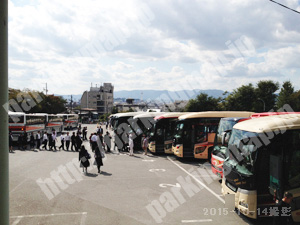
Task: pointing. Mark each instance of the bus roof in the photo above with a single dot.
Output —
(216, 114)
(127, 114)
(256, 115)
(270, 123)
(170, 115)
(148, 114)
(15, 113)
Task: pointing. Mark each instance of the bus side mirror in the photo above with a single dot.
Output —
(225, 137)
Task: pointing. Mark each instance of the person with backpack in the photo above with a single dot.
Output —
(98, 158)
(84, 157)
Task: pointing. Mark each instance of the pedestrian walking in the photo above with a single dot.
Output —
(78, 141)
(84, 157)
(73, 142)
(98, 158)
(62, 141)
(50, 141)
(130, 142)
(94, 141)
(10, 142)
(84, 133)
(32, 142)
(38, 139)
(67, 140)
(53, 145)
(100, 141)
(107, 141)
(145, 144)
(45, 140)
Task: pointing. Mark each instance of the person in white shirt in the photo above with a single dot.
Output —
(53, 141)
(94, 141)
(130, 142)
(62, 141)
(67, 140)
(38, 140)
(45, 140)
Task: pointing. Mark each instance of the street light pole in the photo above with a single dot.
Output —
(263, 103)
(4, 182)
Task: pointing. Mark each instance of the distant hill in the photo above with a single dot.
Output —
(166, 95)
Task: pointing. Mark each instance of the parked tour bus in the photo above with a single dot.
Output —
(263, 163)
(70, 121)
(225, 126)
(195, 132)
(121, 125)
(162, 132)
(142, 124)
(21, 123)
(219, 150)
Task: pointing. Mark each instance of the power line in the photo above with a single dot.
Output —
(285, 6)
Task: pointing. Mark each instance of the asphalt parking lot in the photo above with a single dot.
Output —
(49, 188)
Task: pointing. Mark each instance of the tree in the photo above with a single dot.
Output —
(286, 95)
(265, 95)
(37, 102)
(241, 99)
(203, 102)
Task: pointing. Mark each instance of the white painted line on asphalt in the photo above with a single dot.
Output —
(52, 214)
(198, 181)
(83, 218)
(196, 221)
(17, 220)
(18, 186)
(148, 160)
(170, 185)
(157, 170)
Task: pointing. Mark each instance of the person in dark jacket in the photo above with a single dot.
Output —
(98, 158)
(32, 142)
(10, 141)
(84, 157)
(20, 141)
(107, 141)
(73, 142)
(78, 142)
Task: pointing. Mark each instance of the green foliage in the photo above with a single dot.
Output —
(37, 102)
(104, 117)
(203, 102)
(241, 99)
(286, 95)
(265, 94)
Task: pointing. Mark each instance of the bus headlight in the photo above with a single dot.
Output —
(243, 204)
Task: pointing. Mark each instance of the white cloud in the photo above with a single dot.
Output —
(155, 45)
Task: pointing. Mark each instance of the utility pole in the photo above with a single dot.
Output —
(71, 103)
(4, 182)
(46, 89)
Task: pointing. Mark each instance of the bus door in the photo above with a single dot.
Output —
(159, 140)
(204, 139)
(188, 140)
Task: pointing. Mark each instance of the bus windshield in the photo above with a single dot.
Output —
(179, 130)
(242, 151)
(16, 118)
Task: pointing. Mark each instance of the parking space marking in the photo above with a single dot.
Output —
(17, 186)
(196, 221)
(52, 214)
(157, 170)
(170, 185)
(198, 181)
(148, 160)
(17, 220)
(83, 218)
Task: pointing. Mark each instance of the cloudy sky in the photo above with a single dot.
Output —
(163, 45)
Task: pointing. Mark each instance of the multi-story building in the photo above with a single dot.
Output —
(99, 98)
